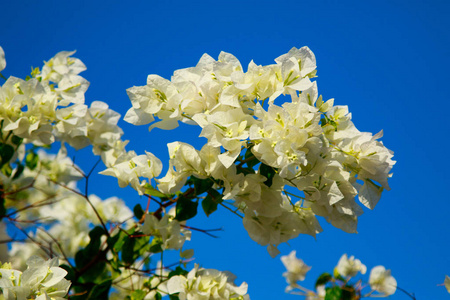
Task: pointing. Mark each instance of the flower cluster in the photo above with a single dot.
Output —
(205, 284)
(262, 154)
(42, 280)
(167, 230)
(296, 269)
(380, 280)
(350, 266)
(129, 167)
(49, 106)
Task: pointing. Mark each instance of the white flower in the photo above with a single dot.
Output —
(296, 268)
(350, 266)
(2, 59)
(62, 65)
(41, 280)
(131, 167)
(27, 109)
(102, 129)
(168, 229)
(206, 284)
(71, 88)
(382, 281)
(319, 295)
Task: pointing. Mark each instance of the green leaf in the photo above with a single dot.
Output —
(209, 204)
(2, 206)
(70, 272)
(31, 160)
(186, 209)
(19, 171)
(138, 295)
(6, 170)
(128, 250)
(6, 153)
(149, 190)
(116, 242)
(323, 279)
(115, 266)
(348, 293)
(333, 293)
(156, 245)
(94, 245)
(200, 185)
(97, 272)
(158, 296)
(16, 140)
(138, 211)
(174, 297)
(134, 247)
(251, 160)
(142, 244)
(84, 256)
(178, 271)
(268, 172)
(100, 291)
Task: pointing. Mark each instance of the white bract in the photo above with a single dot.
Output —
(42, 280)
(167, 229)
(382, 281)
(296, 269)
(2, 59)
(350, 266)
(205, 284)
(130, 167)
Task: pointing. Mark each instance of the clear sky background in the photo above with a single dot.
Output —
(387, 60)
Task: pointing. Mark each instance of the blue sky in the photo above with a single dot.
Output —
(387, 60)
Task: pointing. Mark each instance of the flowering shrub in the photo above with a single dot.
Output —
(276, 154)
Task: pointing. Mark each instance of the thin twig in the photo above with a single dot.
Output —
(205, 231)
(234, 212)
(59, 247)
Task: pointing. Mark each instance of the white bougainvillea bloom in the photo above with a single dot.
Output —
(102, 129)
(350, 266)
(296, 268)
(381, 280)
(62, 65)
(39, 109)
(27, 109)
(42, 280)
(2, 59)
(131, 167)
(205, 284)
(166, 228)
(71, 125)
(71, 89)
(186, 159)
(128, 280)
(447, 283)
(318, 295)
